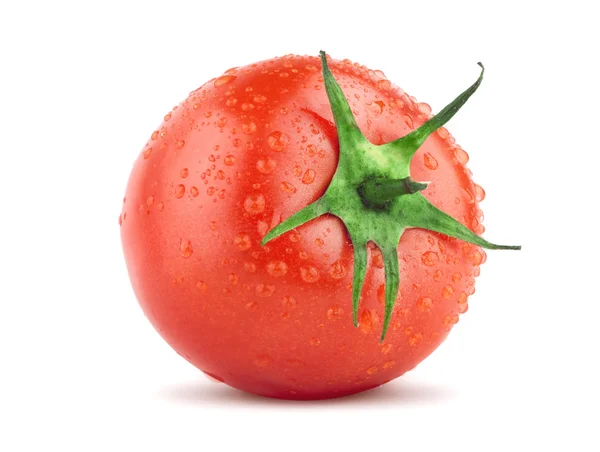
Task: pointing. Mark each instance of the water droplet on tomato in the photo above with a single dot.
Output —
(376, 107)
(315, 341)
(179, 191)
(389, 364)
(443, 133)
(424, 304)
(408, 120)
(309, 177)
(264, 290)
(266, 166)
(287, 187)
(288, 302)
(437, 275)
(154, 135)
(242, 241)
(462, 308)
(277, 268)
(147, 153)
(233, 279)
(385, 349)
(384, 84)
(231, 102)
(184, 173)
(221, 122)
(311, 150)
(248, 106)
(415, 339)
(278, 141)
(260, 99)
(319, 242)
(476, 258)
(224, 80)
(429, 258)
(150, 200)
(335, 313)
(368, 321)
(424, 108)
(309, 274)
(461, 156)
(263, 360)
(185, 247)
(479, 193)
(430, 161)
(194, 191)
(337, 270)
(447, 291)
(229, 160)
(456, 277)
(180, 144)
(254, 204)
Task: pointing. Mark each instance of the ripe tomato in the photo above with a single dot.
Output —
(246, 151)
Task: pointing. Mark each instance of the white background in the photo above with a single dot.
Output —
(82, 86)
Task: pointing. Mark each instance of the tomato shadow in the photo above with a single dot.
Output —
(390, 395)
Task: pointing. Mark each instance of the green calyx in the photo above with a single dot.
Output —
(374, 196)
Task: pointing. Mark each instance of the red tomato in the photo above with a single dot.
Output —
(240, 154)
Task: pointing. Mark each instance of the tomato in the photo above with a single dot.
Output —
(246, 151)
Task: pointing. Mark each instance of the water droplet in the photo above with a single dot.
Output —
(254, 204)
(386, 348)
(251, 306)
(277, 268)
(260, 99)
(337, 270)
(248, 106)
(476, 258)
(447, 291)
(437, 275)
(451, 320)
(233, 279)
(154, 135)
(185, 247)
(462, 298)
(179, 191)
(309, 177)
(207, 114)
(180, 144)
(201, 286)
(160, 206)
(461, 156)
(335, 313)
(147, 153)
(430, 161)
(462, 308)
(266, 166)
(263, 360)
(389, 364)
(264, 290)
(231, 102)
(288, 302)
(376, 107)
(311, 150)
(384, 84)
(314, 342)
(456, 277)
(250, 267)
(408, 120)
(262, 228)
(229, 160)
(479, 193)
(221, 122)
(224, 80)
(429, 258)
(213, 225)
(194, 191)
(319, 242)
(287, 187)
(443, 133)
(221, 175)
(424, 304)
(415, 339)
(150, 200)
(184, 173)
(278, 141)
(310, 67)
(424, 108)
(242, 241)
(368, 321)
(309, 274)
(377, 258)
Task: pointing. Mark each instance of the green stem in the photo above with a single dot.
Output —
(379, 192)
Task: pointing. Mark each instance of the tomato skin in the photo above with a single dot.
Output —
(240, 154)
